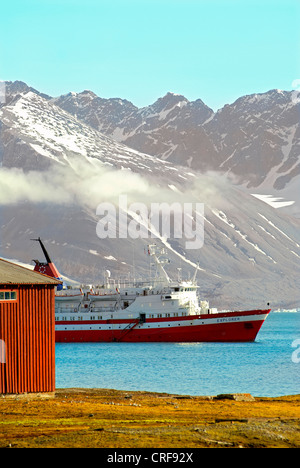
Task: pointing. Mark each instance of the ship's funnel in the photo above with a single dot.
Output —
(47, 268)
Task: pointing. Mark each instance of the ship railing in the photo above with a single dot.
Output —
(99, 310)
(67, 310)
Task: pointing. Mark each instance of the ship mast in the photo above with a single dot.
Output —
(48, 260)
(160, 260)
(195, 274)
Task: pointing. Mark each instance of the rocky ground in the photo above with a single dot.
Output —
(119, 419)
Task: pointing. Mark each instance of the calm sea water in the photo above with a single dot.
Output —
(262, 368)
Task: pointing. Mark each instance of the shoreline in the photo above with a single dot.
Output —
(107, 418)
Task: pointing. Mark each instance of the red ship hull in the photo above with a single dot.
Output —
(221, 327)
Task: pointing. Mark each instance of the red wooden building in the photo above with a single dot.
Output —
(27, 333)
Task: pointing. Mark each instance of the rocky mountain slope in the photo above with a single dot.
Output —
(55, 172)
(256, 139)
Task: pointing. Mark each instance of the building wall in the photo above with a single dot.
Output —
(27, 334)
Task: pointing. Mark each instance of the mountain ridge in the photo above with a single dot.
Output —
(256, 139)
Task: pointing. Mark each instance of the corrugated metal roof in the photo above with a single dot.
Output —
(10, 273)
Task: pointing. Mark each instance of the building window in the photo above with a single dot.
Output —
(8, 295)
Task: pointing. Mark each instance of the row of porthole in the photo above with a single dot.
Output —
(109, 328)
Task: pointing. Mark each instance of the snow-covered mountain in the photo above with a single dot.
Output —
(55, 171)
(256, 139)
(153, 129)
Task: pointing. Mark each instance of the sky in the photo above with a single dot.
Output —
(215, 50)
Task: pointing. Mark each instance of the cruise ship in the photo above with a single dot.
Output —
(158, 310)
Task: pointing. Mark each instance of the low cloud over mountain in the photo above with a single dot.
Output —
(57, 168)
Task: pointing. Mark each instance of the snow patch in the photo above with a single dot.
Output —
(222, 216)
(279, 230)
(110, 257)
(93, 252)
(275, 202)
(172, 187)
